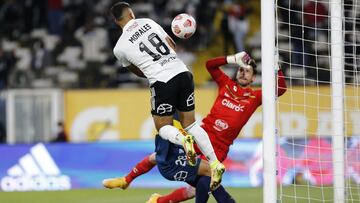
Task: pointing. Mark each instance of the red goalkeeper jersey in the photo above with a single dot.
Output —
(232, 108)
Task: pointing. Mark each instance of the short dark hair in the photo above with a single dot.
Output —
(117, 10)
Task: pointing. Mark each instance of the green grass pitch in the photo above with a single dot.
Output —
(132, 195)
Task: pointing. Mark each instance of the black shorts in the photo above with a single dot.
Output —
(176, 94)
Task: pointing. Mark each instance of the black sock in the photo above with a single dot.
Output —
(221, 195)
(203, 189)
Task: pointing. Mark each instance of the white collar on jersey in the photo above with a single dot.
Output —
(128, 24)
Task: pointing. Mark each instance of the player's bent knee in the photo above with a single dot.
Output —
(204, 169)
(152, 158)
(187, 118)
(190, 191)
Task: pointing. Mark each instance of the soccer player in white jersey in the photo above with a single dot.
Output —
(148, 51)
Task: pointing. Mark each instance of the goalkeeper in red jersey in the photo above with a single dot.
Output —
(235, 103)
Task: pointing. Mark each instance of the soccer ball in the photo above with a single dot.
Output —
(183, 26)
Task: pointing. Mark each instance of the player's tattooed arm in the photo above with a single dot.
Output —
(136, 71)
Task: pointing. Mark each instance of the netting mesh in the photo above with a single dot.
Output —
(304, 152)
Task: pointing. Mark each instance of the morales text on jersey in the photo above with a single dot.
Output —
(139, 32)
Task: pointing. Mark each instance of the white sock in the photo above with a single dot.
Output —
(169, 132)
(202, 140)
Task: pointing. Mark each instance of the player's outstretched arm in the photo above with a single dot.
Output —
(213, 67)
(142, 167)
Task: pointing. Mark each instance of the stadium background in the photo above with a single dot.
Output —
(58, 77)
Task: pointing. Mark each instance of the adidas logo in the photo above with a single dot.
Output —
(35, 171)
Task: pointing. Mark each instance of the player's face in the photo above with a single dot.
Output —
(245, 76)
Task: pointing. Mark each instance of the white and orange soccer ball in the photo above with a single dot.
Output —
(183, 26)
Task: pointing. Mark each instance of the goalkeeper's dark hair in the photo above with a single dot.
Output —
(117, 10)
(252, 63)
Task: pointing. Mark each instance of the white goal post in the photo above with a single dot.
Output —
(268, 99)
(318, 44)
(337, 87)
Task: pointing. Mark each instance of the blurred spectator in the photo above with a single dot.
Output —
(186, 56)
(61, 135)
(55, 16)
(20, 78)
(238, 22)
(299, 50)
(2, 133)
(144, 9)
(315, 28)
(205, 14)
(315, 14)
(352, 39)
(72, 42)
(40, 57)
(93, 40)
(159, 7)
(7, 63)
(315, 18)
(11, 19)
(34, 12)
(226, 34)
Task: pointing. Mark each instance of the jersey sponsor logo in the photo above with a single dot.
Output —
(230, 105)
(165, 61)
(190, 100)
(181, 176)
(164, 108)
(220, 125)
(35, 171)
(133, 26)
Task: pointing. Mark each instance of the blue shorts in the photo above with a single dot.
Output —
(172, 163)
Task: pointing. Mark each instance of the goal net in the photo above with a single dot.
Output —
(318, 118)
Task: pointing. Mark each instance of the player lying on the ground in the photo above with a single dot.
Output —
(234, 105)
(171, 162)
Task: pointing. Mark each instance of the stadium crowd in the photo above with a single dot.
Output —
(68, 44)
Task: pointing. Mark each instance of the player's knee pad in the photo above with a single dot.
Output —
(167, 130)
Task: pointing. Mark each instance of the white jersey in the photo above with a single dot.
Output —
(143, 44)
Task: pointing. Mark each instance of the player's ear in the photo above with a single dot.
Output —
(132, 14)
(253, 78)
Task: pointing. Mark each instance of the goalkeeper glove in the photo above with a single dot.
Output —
(243, 59)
